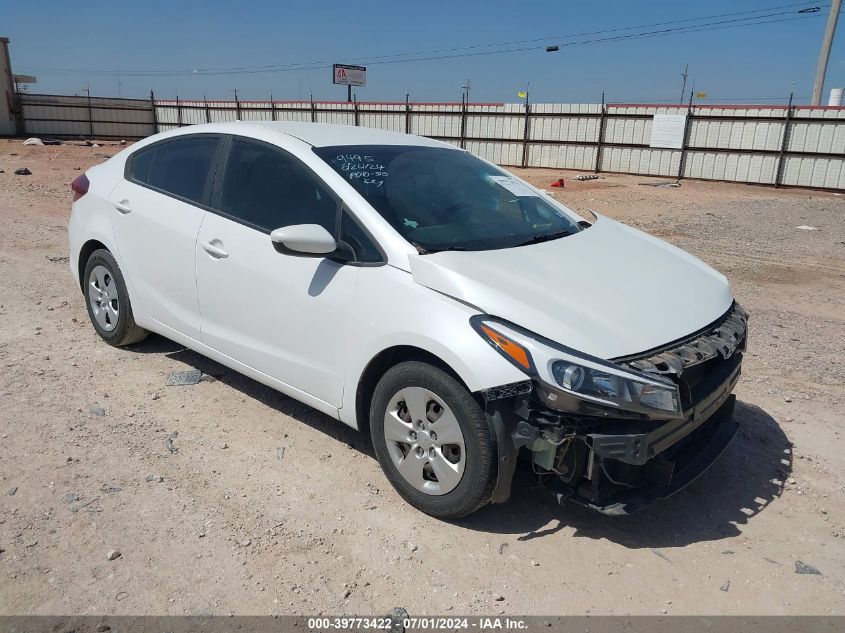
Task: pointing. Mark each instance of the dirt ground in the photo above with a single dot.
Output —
(270, 507)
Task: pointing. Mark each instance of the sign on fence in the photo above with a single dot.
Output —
(349, 75)
(667, 130)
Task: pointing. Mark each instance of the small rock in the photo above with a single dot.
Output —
(792, 480)
(663, 611)
(727, 552)
(224, 445)
(12, 491)
(23, 171)
(122, 141)
(70, 497)
(345, 594)
(498, 597)
(804, 568)
(33, 141)
(412, 547)
(246, 542)
(102, 628)
(787, 399)
(397, 616)
(30, 544)
(97, 410)
(725, 586)
(156, 478)
(114, 554)
(534, 563)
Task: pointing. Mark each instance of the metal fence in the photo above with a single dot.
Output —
(89, 117)
(777, 145)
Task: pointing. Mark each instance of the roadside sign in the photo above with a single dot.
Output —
(349, 75)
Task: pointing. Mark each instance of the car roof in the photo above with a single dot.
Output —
(319, 134)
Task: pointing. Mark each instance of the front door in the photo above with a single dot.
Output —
(280, 314)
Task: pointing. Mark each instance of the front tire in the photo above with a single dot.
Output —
(433, 440)
(108, 301)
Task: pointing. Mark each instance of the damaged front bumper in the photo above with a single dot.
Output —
(664, 475)
(619, 465)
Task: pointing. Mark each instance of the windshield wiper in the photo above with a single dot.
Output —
(446, 248)
(545, 238)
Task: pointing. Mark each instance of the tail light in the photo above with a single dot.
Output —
(79, 186)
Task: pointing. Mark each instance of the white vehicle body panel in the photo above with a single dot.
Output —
(157, 239)
(310, 327)
(609, 291)
(280, 314)
(395, 311)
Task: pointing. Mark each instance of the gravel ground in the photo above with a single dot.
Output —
(119, 495)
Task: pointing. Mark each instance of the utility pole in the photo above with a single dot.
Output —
(466, 88)
(685, 74)
(824, 54)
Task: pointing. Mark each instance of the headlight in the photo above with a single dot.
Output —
(580, 375)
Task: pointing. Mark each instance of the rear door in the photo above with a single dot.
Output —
(283, 315)
(158, 209)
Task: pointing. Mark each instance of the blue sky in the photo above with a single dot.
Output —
(736, 63)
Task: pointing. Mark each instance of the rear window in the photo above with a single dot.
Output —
(182, 167)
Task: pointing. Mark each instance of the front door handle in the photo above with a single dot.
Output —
(214, 249)
(123, 206)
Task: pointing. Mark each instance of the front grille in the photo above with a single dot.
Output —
(717, 341)
(702, 362)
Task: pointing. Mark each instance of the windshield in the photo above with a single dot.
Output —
(443, 199)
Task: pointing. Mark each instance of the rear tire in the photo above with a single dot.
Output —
(433, 440)
(108, 301)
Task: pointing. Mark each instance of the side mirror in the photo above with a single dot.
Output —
(305, 240)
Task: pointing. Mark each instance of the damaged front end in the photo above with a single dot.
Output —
(616, 435)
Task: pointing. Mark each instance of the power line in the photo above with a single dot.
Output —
(434, 55)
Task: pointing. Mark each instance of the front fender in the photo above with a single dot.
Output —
(402, 313)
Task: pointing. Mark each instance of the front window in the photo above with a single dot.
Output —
(443, 199)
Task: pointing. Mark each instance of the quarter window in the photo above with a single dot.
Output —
(139, 165)
(181, 167)
(268, 189)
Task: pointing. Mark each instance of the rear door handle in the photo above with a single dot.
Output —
(215, 250)
(123, 206)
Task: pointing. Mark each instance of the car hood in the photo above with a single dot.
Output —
(609, 290)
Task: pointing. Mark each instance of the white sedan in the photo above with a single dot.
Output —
(408, 288)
